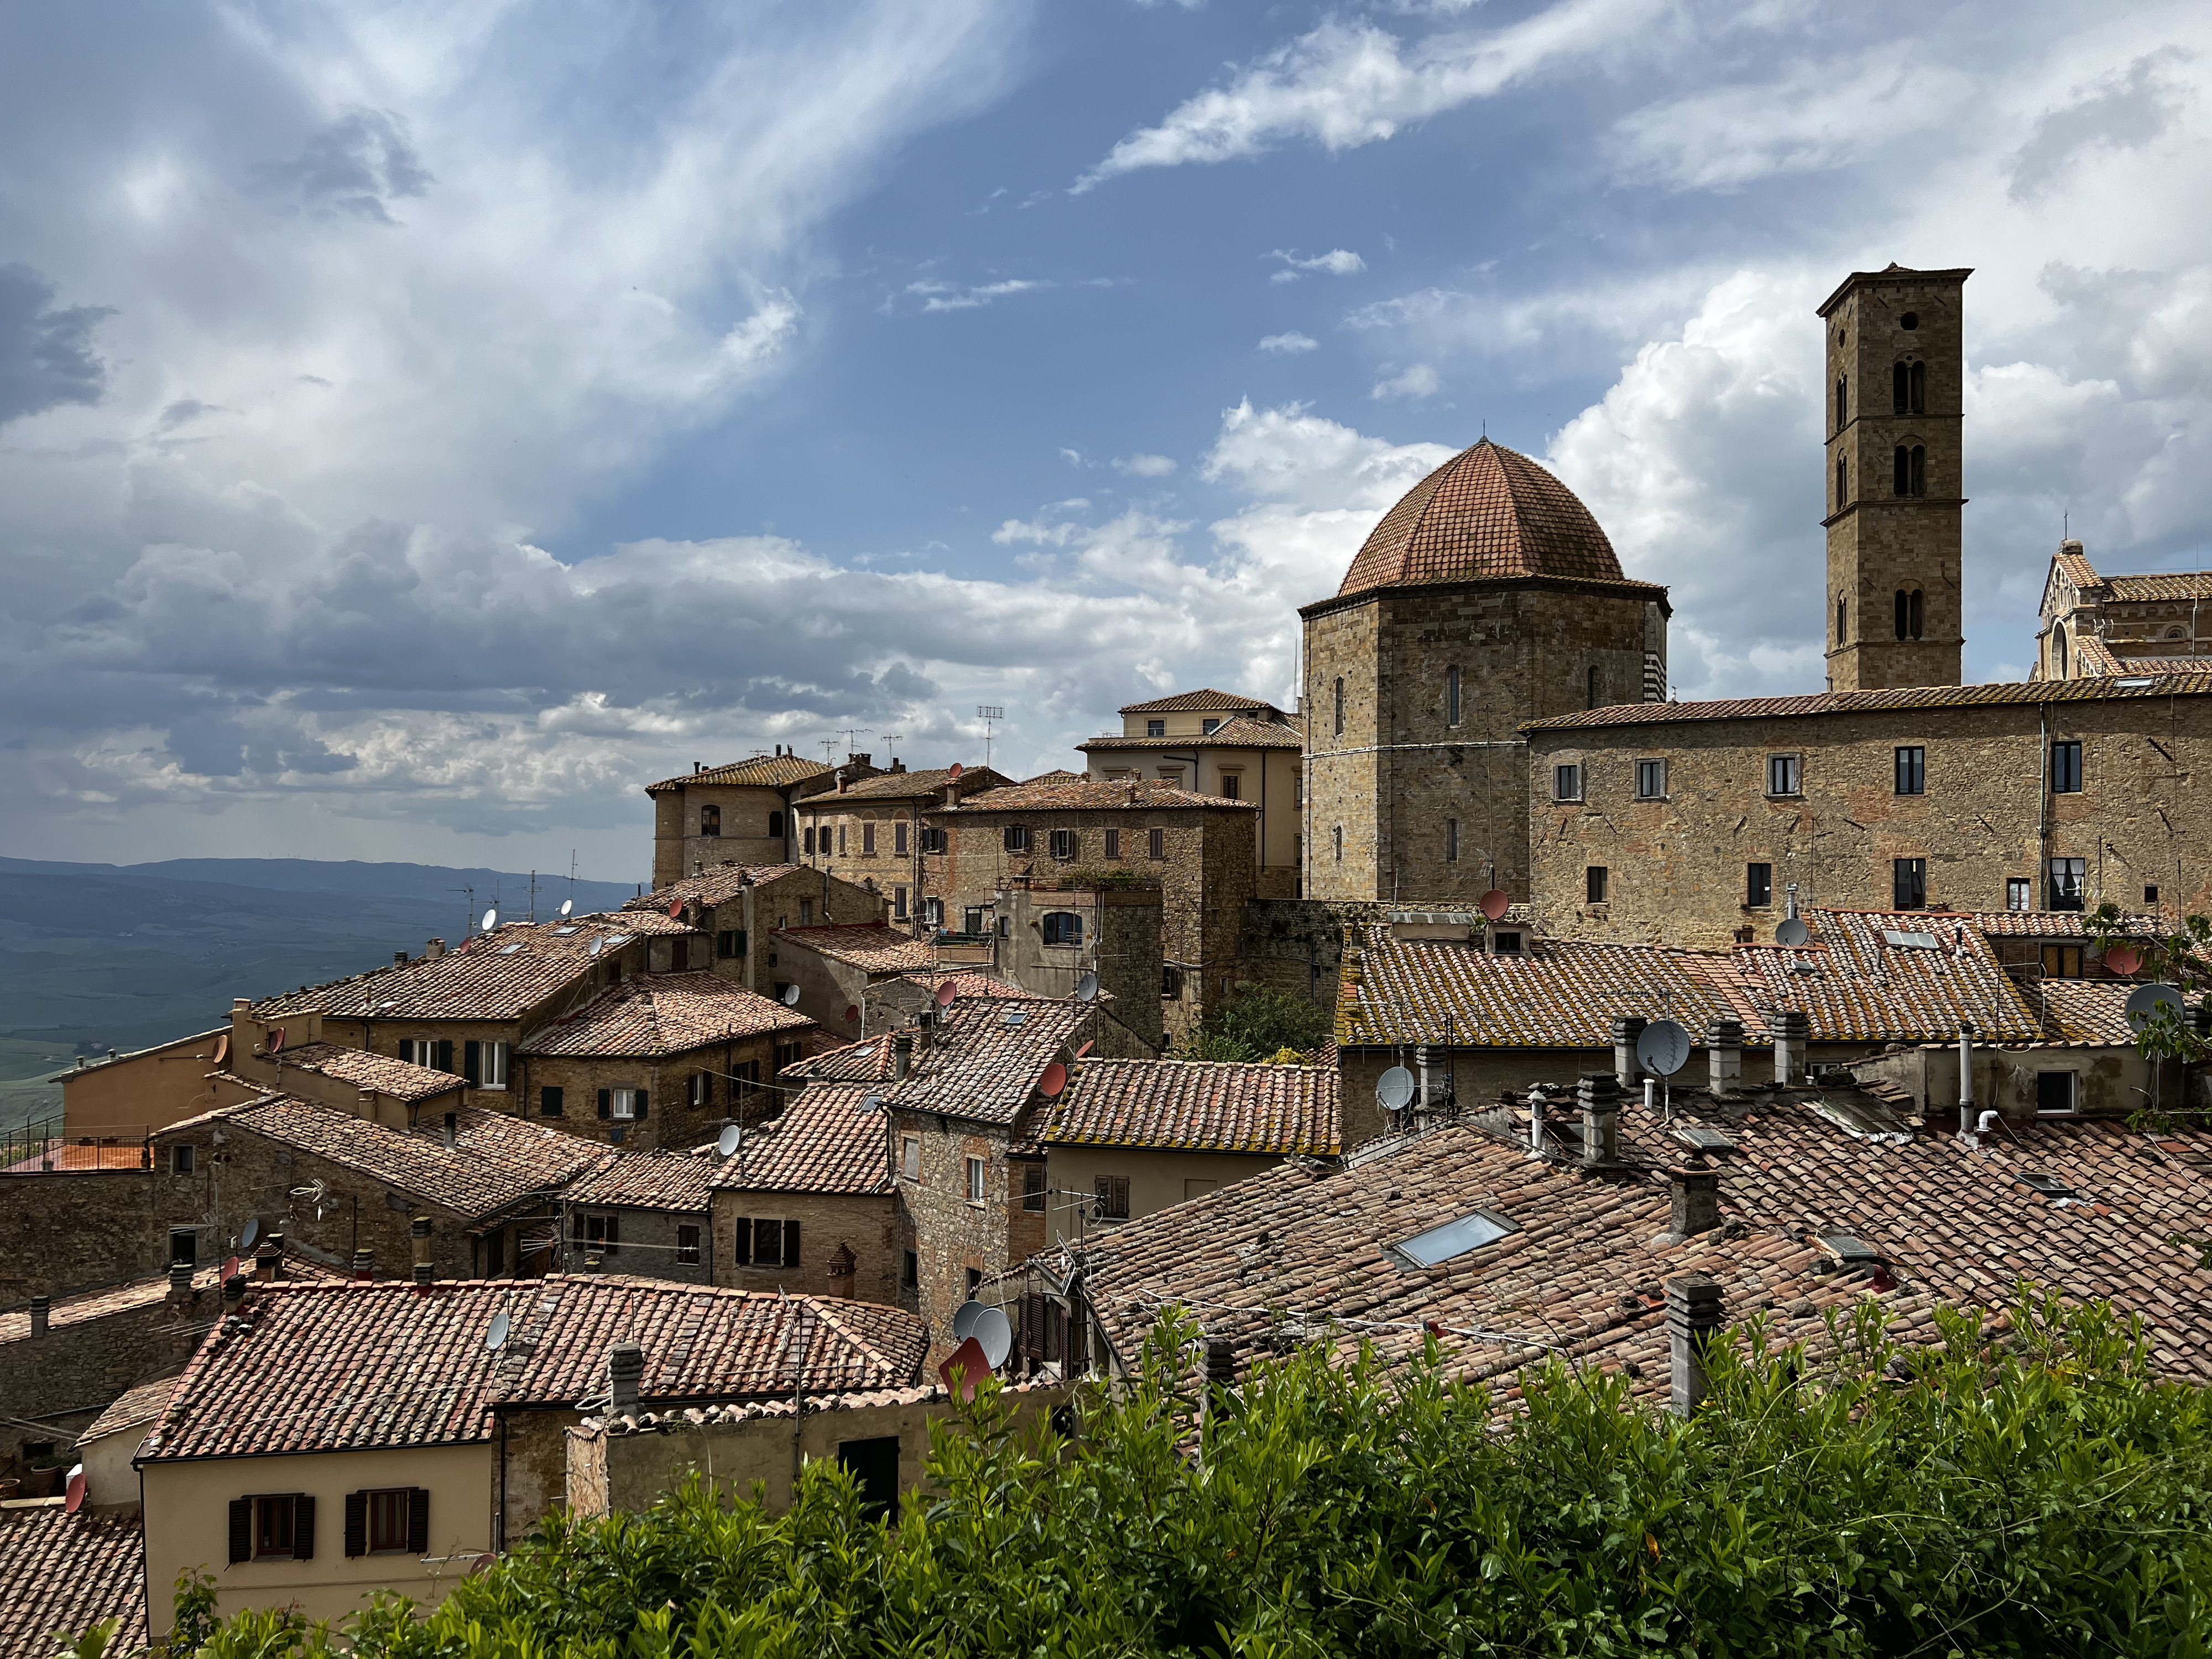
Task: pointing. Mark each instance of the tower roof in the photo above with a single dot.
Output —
(1488, 511)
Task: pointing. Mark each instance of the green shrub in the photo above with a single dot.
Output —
(1258, 1022)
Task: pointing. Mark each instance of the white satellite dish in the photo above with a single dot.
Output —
(567, 906)
(598, 944)
(964, 1319)
(248, 1233)
(2145, 1000)
(495, 1338)
(996, 1333)
(1395, 1089)
(790, 995)
(490, 920)
(729, 1140)
(1792, 933)
(1664, 1048)
(1087, 990)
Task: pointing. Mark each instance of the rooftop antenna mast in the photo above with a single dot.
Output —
(533, 897)
(469, 905)
(829, 751)
(890, 745)
(852, 738)
(987, 713)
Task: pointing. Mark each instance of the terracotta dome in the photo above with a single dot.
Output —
(1488, 511)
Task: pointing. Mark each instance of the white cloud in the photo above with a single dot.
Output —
(1419, 381)
(1290, 344)
(944, 296)
(1145, 466)
(1337, 262)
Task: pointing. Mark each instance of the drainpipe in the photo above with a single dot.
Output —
(1965, 1076)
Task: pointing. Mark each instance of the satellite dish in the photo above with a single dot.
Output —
(1495, 903)
(1395, 1088)
(222, 1048)
(871, 1102)
(248, 1233)
(945, 992)
(727, 1142)
(1086, 989)
(495, 1338)
(967, 1363)
(1052, 1085)
(852, 1012)
(791, 994)
(1792, 933)
(964, 1319)
(995, 1333)
(1085, 1050)
(2145, 1000)
(567, 907)
(2121, 959)
(75, 1491)
(957, 770)
(675, 909)
(275, 1038)
(229, 1270)
(598, 944)
(1664, 1048)
(490, 920)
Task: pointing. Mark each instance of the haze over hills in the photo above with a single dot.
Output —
(94, 957)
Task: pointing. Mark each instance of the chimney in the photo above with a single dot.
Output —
(842, 1271)
(1599, 1094)
(364, 1265)
(1220, 1363)
(1694, 1315)
(901, 1055)
(451, 1134)
(1536, 1103)
(399, 958)
(1724, 1055)
(1792, 1029)
(41, 1306)
(233, 1293)
(1693, 1203)
(625, 1370)
(1627, 1028)
(1965, 1076)
(434, 949)
(419, 1231)
(180, 1284)
(265, 1262)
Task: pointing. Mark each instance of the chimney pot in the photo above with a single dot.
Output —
(901, 1055)
(1792, 1029)
(1724, 1057)
(453, 1130)
(1627, 1028)
(240, 1004)
(1536, 1104)
(625, 1372)
(234, 1292)
(1694, 1315)
(424, 1274)
(433, 950)
(364, 1264)
(41, 1309)
(180, 1282)
(1599, 1096)
(1694, 1202)
(399, 958)
(265, 1262)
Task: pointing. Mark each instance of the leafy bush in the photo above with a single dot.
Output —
(2039, 1495)
(1258, 1022)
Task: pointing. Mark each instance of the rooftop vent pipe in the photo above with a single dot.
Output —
(41, 1309)
(1965, 1076)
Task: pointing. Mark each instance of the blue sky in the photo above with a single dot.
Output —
(422, 425)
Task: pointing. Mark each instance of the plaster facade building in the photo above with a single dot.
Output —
(2095, 624)
(744, 909)
(740, 813)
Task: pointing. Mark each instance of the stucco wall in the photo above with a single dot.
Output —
(1158, 1180)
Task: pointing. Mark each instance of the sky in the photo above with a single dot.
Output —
(422, 426)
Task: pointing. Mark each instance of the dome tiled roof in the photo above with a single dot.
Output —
(1487, 512)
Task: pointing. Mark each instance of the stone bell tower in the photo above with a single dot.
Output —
(1895, 479)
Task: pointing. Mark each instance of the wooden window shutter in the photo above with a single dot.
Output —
(640, 1105)
(791, 1244)
(745, 1245)
(303, 1528)
(445, 1053)
(418, 1520)
(241, 1529)
(472, 1061)
(606, 1102)
(614, 1232)
(356, 1523)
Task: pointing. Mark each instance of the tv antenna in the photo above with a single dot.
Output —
(468, 903)
(890, 745)
(533, 896)
(988, 713)
(852, 735)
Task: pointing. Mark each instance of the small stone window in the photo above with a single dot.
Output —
(1156, 843)
(1336, 832)
(1567, 782)
(182, 1159)
(1909, 389)
(1840, 614)
(710, 820)
(1910, 471)
(841, 840)
(1340, 705)
(898, 904)
(868, 837)
(2066, 767)
(1913, 769)
(1910, 321)
(1842, 499)
(1593, 884)
(2019, 893)
(976, 1181)
(1033, 1191)
(2068, 880)
(1785, 774)
(1063, 927)
(898, 838)
(687, 1246)
(1064, 843)
(1759, 885)
(1017, 838)
(1651, 779)
(1451, 840)
(1596, 687)
(1911, 613)
(1113, 843)
(1842, 401)
(776, 826)
(1451, 696)
(1908, 884)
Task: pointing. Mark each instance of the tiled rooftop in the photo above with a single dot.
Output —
(874, 947)
(1859, 702)
(1206, 700)
(496, 1160)
(1230, 734)
(351, 1366)
(2184, 585)
(132, 1408)
(757, 771)
(87, 1306)
(1857, 986)
(648, 1180)
(658, 1014)
(977, 1066)
(2049, 923)
(1198, 1106)
(823, 1143)
(1098, 794)
(906, 786)
(383, 1074)
(1488, 511)
(717, 885)
(2091, 1012)
(501, 975)
(64, 1572)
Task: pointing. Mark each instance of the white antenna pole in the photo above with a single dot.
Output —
(986, 715)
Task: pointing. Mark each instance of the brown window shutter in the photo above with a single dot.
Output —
(241, 1529)
(303, 1528)
(606, 1102)
(418, 1520)
(356, 1523)
(791, 1244)
(445, 1053)
(640, 1105)
(744, 1247)
(472, 1061)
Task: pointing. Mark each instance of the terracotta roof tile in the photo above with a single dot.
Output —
(823, 1143)
(1857, 702)
(1858, 984)
(656, 1014)
(2076, 569)
(1201, 700)
(873, 946)
(383, 1074)
(757, 771)
(902, 786)
(983, 1062)
(716, 885)
(60, 1571)
(648, 1180)
(1198, 1106)
(1230, 734)
(127, 1411)
(87, 1306)
(2048, 924)
(2163, 585)
(1096, 794)
(1488, 511)
(501, 975)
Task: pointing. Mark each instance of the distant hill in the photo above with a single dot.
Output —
(94, 957)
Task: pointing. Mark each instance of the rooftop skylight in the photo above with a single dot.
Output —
(1454, 1239)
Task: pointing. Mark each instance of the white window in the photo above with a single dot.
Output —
(974, 1181)
(495, 1066)
(932, 912)
(1567, 782)
(1785, 772)
(1063, 843)
(625, 1103)
(1651, 779)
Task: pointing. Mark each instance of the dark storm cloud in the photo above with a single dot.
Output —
(45, 353)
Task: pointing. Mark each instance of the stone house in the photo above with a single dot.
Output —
(740, 813)
(642, 1213)
(744, 907)
(2095, 626)
(1074, 837)
(1690, 822)
(806, 1204)
(401, 1432)
(1219, 744)
(839, 971)
(660, 1060)
(1130, 1137)
(872, 831)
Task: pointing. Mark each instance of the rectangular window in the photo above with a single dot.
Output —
(1451, 840)
(1156, 728)
(974, 1181)
(974, 922)
(841, 840)
(702, 1088)
(181, 1159)
(1784, 774)
(1017, 838)
(1063, 927)
(1170, 981)
(1209, 725)
(2019, 893)
(1594, 883)
(1566, 783)
(548, 1102)
(789, 1053)
(2150, 892)
(602, 1232)
(744, 1080)
(385, 1517)
(1650, 780)
(932, 912)
(1232, 786)
(932, 839)
(1063, 843)
(710, 820)
(284, 1526)
(493, 1058)
(1336, 832)
(1451, 697)
(910, 1159)
(2054, 1092)
(184, 1246)
(898, 903)
(909, 1271)
(1912, 770)
(625, 1103)
(2066, 768)
(806, 912)
(1908, 884)
(1113, 843)
(1759, 885)
(1113, 1196)
(806, 840)
(868, 838)
(1156, 845)
(1033, 1187)
(2062, 961)
(2069, 877)
(898, 838)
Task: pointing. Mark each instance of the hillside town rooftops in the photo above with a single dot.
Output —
(824, 1142)
(716, 885)
(756, 771)
(982, 1061)
(85, 1307)
(383, 1074)
(1198, 1106)
(64, 1573)
(132, 1408)
(908, 785)
(501, 975)
(2026, 693)
(652, 1015)
(1238, 733)
(1895, 975)
(1098, 794)
(873, 947)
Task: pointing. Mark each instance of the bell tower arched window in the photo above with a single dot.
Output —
(1911, 613)
(1596, 689)
(1840, 502)
(1920, 388)
(1843, 400)
(1910, 470)
(1839, 619)
(1340, 705)
(2058, 651)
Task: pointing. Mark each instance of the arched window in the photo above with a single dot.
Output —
(1920, 388)
(1340, 705)
(1900, 390)
(1840, 502)
(1901, 472)
(1839, 619)
(1596, 689)
(1451, 696)
(2058, 652)
(1911, 613)
(1843, 400)
(1917, 471)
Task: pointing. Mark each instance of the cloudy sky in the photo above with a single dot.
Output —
(421, 425)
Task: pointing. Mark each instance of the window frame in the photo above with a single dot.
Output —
(687, 1244)
(2019, 893)
(380, 1505)
(1016, 838)
(262, 1546)
(1156, 728)
(710, 821)
(2068, 766)
(1908, 884)
(1156, 843)
(1785, 775)
(1110, 1194)
(910, 1159)
(1033, 1187)
(1061, 928)
(1114, 844)
(184, 1159)
(1339, 731)
(1452, 698)
(2073, 1105)
(977, 1181)
(1567, 780)
(1911, 775)
(1758, 885)
(1597, 883)
(621, 1105)
(1646, 772)
(1451, 840)
(1064, 844)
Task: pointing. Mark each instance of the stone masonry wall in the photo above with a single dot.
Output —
(671, 1123)
(951, 1236)
(863, 1222)
(70, 1230)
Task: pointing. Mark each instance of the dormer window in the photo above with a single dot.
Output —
(1156, 728)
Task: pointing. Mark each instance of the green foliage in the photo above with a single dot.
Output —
(1258, 1022)
(197, 1622)
(1116, 878)
(2182, 960)
(2043, 1494)
(92, 1644)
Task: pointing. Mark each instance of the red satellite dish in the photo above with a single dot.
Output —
(76, 1490)
(229, 1270)
(1084, 1050)
(1496, 902)
(676, 909)
(1054, 1080)
(852, 1013)
(2123, 959)
(275, 1038)
(222, 1048)
(964, 1368)
(958, 769)
(945, 992)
